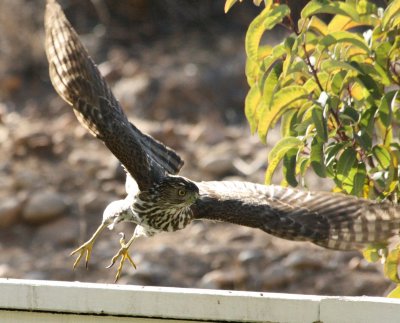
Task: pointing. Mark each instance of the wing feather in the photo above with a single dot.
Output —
(78, 81)
(330, 220)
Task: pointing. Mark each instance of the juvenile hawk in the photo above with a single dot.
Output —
(159, 200)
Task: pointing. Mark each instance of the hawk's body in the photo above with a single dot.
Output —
(329, 220)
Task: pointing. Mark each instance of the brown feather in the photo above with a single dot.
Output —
(334, 221)
(78, 81)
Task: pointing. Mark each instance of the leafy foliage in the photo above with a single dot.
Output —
(333, 85)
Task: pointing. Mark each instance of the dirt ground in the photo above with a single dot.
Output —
(179, 73)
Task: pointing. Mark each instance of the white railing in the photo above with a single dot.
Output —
(53, 301)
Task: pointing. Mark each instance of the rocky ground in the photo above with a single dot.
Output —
(186, 89)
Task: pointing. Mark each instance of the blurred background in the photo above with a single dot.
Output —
(177, 68)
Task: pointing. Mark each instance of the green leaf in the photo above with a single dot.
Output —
(303, 163)
(374, 252)
(317, 157)
(331, 7)
(276, 154)
(330, 65)
(266, 20)
(281, 102)
(395, 293)
(349, 116)
(344, 37)
(271, 83)
(229, 4)
(346, 162)
(251, 104)
(320, 123)
(252, 70)
(359, 178)
(382, 155)
(386, 107)
(391, 265)
(371, 255)
(289, 166)
(287, 123)
(392, 9)
(338, 81)
(318, 26)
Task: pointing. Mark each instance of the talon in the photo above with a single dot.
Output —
(123, 253)
(87, 248)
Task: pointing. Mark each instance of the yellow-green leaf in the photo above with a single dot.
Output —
(252, 101)
(391, 264)
(382, 155)
(266, 20)
(392, 9)
(258, 2)
(281, 101)
(317, 157)
(320, 123)
(346, 162)
(344, 37)
(330, 65)
(374, 252)
(318, 25)
(229, 4)
(331, 7)
(395, 293)
(276, 154)
(287, 122)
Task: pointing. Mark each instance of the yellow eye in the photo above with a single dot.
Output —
(181, 192)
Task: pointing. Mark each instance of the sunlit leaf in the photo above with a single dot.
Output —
(386, 107)
(270, 84)
(391, 265)
(320, 123)
(258, 2)
(317, 157)
(287, 122)
(331, 7)
(229, 4)
(382, 155)
(395, 293)
(252, 101)
(359, 176)
(281, 102)
(392, 9)
(342, 23)
(346, 161)
(318, 26)
(371, 255)
(330, 65)
(289, 167)
(276, 154)
(266, 20)
(344, 37)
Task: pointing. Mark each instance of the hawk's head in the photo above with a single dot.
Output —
(174, 190)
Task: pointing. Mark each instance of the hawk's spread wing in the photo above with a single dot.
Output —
(78, 81)
(329, 220)
(334, 221)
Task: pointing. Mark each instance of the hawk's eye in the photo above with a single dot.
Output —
(181, 192)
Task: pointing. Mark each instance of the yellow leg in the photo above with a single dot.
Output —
(87, 247)
(123, 253)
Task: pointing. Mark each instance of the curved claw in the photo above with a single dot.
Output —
(123, 253)
(87, 247)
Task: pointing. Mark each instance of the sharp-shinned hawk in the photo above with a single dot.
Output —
(163, 201)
